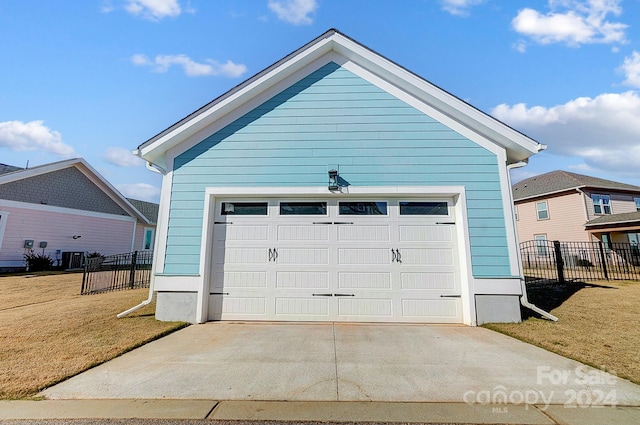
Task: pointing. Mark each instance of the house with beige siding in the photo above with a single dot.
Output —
(573, 207)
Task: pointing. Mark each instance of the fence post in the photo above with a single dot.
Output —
(603, 260)
(559, 261)
(84, 277)
(132, 272)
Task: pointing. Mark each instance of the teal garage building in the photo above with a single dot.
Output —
(336, 185)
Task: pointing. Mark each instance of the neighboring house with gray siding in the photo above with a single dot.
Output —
(65, 208)
(573, 207)
(336, 185)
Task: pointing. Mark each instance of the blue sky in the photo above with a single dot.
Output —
(96, 78)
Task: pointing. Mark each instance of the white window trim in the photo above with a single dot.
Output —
(541, 238)
(144, 238)
(600, 204)
(539, 211)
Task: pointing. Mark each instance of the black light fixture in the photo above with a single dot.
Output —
(76, 236)
(333, 180)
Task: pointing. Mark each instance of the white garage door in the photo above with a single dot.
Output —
(388, 260)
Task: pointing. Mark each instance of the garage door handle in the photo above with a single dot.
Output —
(393, 256)
(344, 295)
(322, 222)
(270, 254)
(343, 222)
(323, 295)
(445, 222)
(450, 296)
(398, 256)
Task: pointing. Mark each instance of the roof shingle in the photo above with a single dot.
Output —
(558, 181)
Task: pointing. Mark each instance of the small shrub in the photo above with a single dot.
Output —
(94, 260)
(37, 262)
(584, 263)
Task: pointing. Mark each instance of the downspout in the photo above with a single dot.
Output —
(524, 300)
(152, 293)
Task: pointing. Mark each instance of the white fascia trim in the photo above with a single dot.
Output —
(88, 171)
(421, 106)
(546, 194)
(38, 170)
(227, 104)
(62, 210)
(223, 119)
(443, 101)
(456, 192)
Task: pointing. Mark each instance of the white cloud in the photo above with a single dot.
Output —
(210, 67)
(33, 136)
(154, 10)
(295, 12)
(603, 131)
(107, 6)
(141, 191)
(459, 7)
(122, 157)
(572, 22)
(631, 69)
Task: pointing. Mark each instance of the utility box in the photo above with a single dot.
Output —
(72, 260)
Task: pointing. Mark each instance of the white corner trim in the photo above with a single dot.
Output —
(509, 217)
(162, 227)
(4, 216)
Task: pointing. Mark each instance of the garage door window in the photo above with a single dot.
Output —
(423, 208)
(363, 208)
(244, 208)
(303, 208)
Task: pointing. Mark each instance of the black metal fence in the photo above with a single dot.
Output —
(561, 261)
(116, 272)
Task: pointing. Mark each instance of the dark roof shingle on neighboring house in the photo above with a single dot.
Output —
(148, 209)
(609, 219)
(4, 169)
(559, 181)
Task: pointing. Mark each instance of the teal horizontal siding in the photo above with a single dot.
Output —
(333, 117)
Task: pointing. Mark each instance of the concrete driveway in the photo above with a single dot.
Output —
(346, 362)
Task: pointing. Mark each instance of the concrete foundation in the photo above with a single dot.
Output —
(498, 308)
(176, 306)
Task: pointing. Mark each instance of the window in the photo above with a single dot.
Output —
(362, 208)
(542, 210)
(423, 208)
(303, 208)
(147, 243)
(244, 208)
(601, 204)
(637, 201)
(541, 244)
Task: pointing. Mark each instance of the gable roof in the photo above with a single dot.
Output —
(148, 209)
(561, 181)
(4, 169)
(87, 170)
(336, 47)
